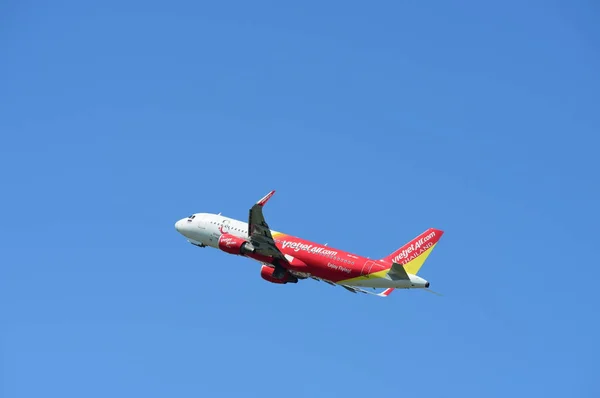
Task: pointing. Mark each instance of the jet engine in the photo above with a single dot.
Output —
(266, 273)
(234, 245)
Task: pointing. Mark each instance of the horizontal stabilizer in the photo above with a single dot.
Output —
(398, 272)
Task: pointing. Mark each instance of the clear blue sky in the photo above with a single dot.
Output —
(373, 122)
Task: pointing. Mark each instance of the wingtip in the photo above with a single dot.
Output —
(265, 198)
(386, 292)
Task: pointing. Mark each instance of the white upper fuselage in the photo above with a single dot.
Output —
(205, 228)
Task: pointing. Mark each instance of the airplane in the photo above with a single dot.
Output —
(287, 259)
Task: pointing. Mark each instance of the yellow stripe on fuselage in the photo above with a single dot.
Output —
(378, 274)
(412, 267)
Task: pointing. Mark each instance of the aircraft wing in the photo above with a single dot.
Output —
(355, 289)
(259, 232)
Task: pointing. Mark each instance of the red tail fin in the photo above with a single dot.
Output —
(413, 254)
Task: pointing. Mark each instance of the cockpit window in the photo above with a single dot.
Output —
(190, 218)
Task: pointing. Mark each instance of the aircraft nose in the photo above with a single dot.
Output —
(178, 226)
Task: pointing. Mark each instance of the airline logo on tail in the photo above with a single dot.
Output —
(413, 254)
(416, 247)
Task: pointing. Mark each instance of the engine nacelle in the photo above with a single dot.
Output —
(267, 274)
(234, 245)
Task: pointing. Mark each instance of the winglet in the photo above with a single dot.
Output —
(386, 292)
(266, 198)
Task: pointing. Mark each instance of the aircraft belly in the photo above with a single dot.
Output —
(382, 283)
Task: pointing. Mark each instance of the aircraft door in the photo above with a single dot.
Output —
(371, 267)
(366, 267)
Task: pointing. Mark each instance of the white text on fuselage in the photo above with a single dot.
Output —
(297, 246)
(338, 268)
(414, 249)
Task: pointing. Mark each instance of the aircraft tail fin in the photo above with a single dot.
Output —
(413, 254)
